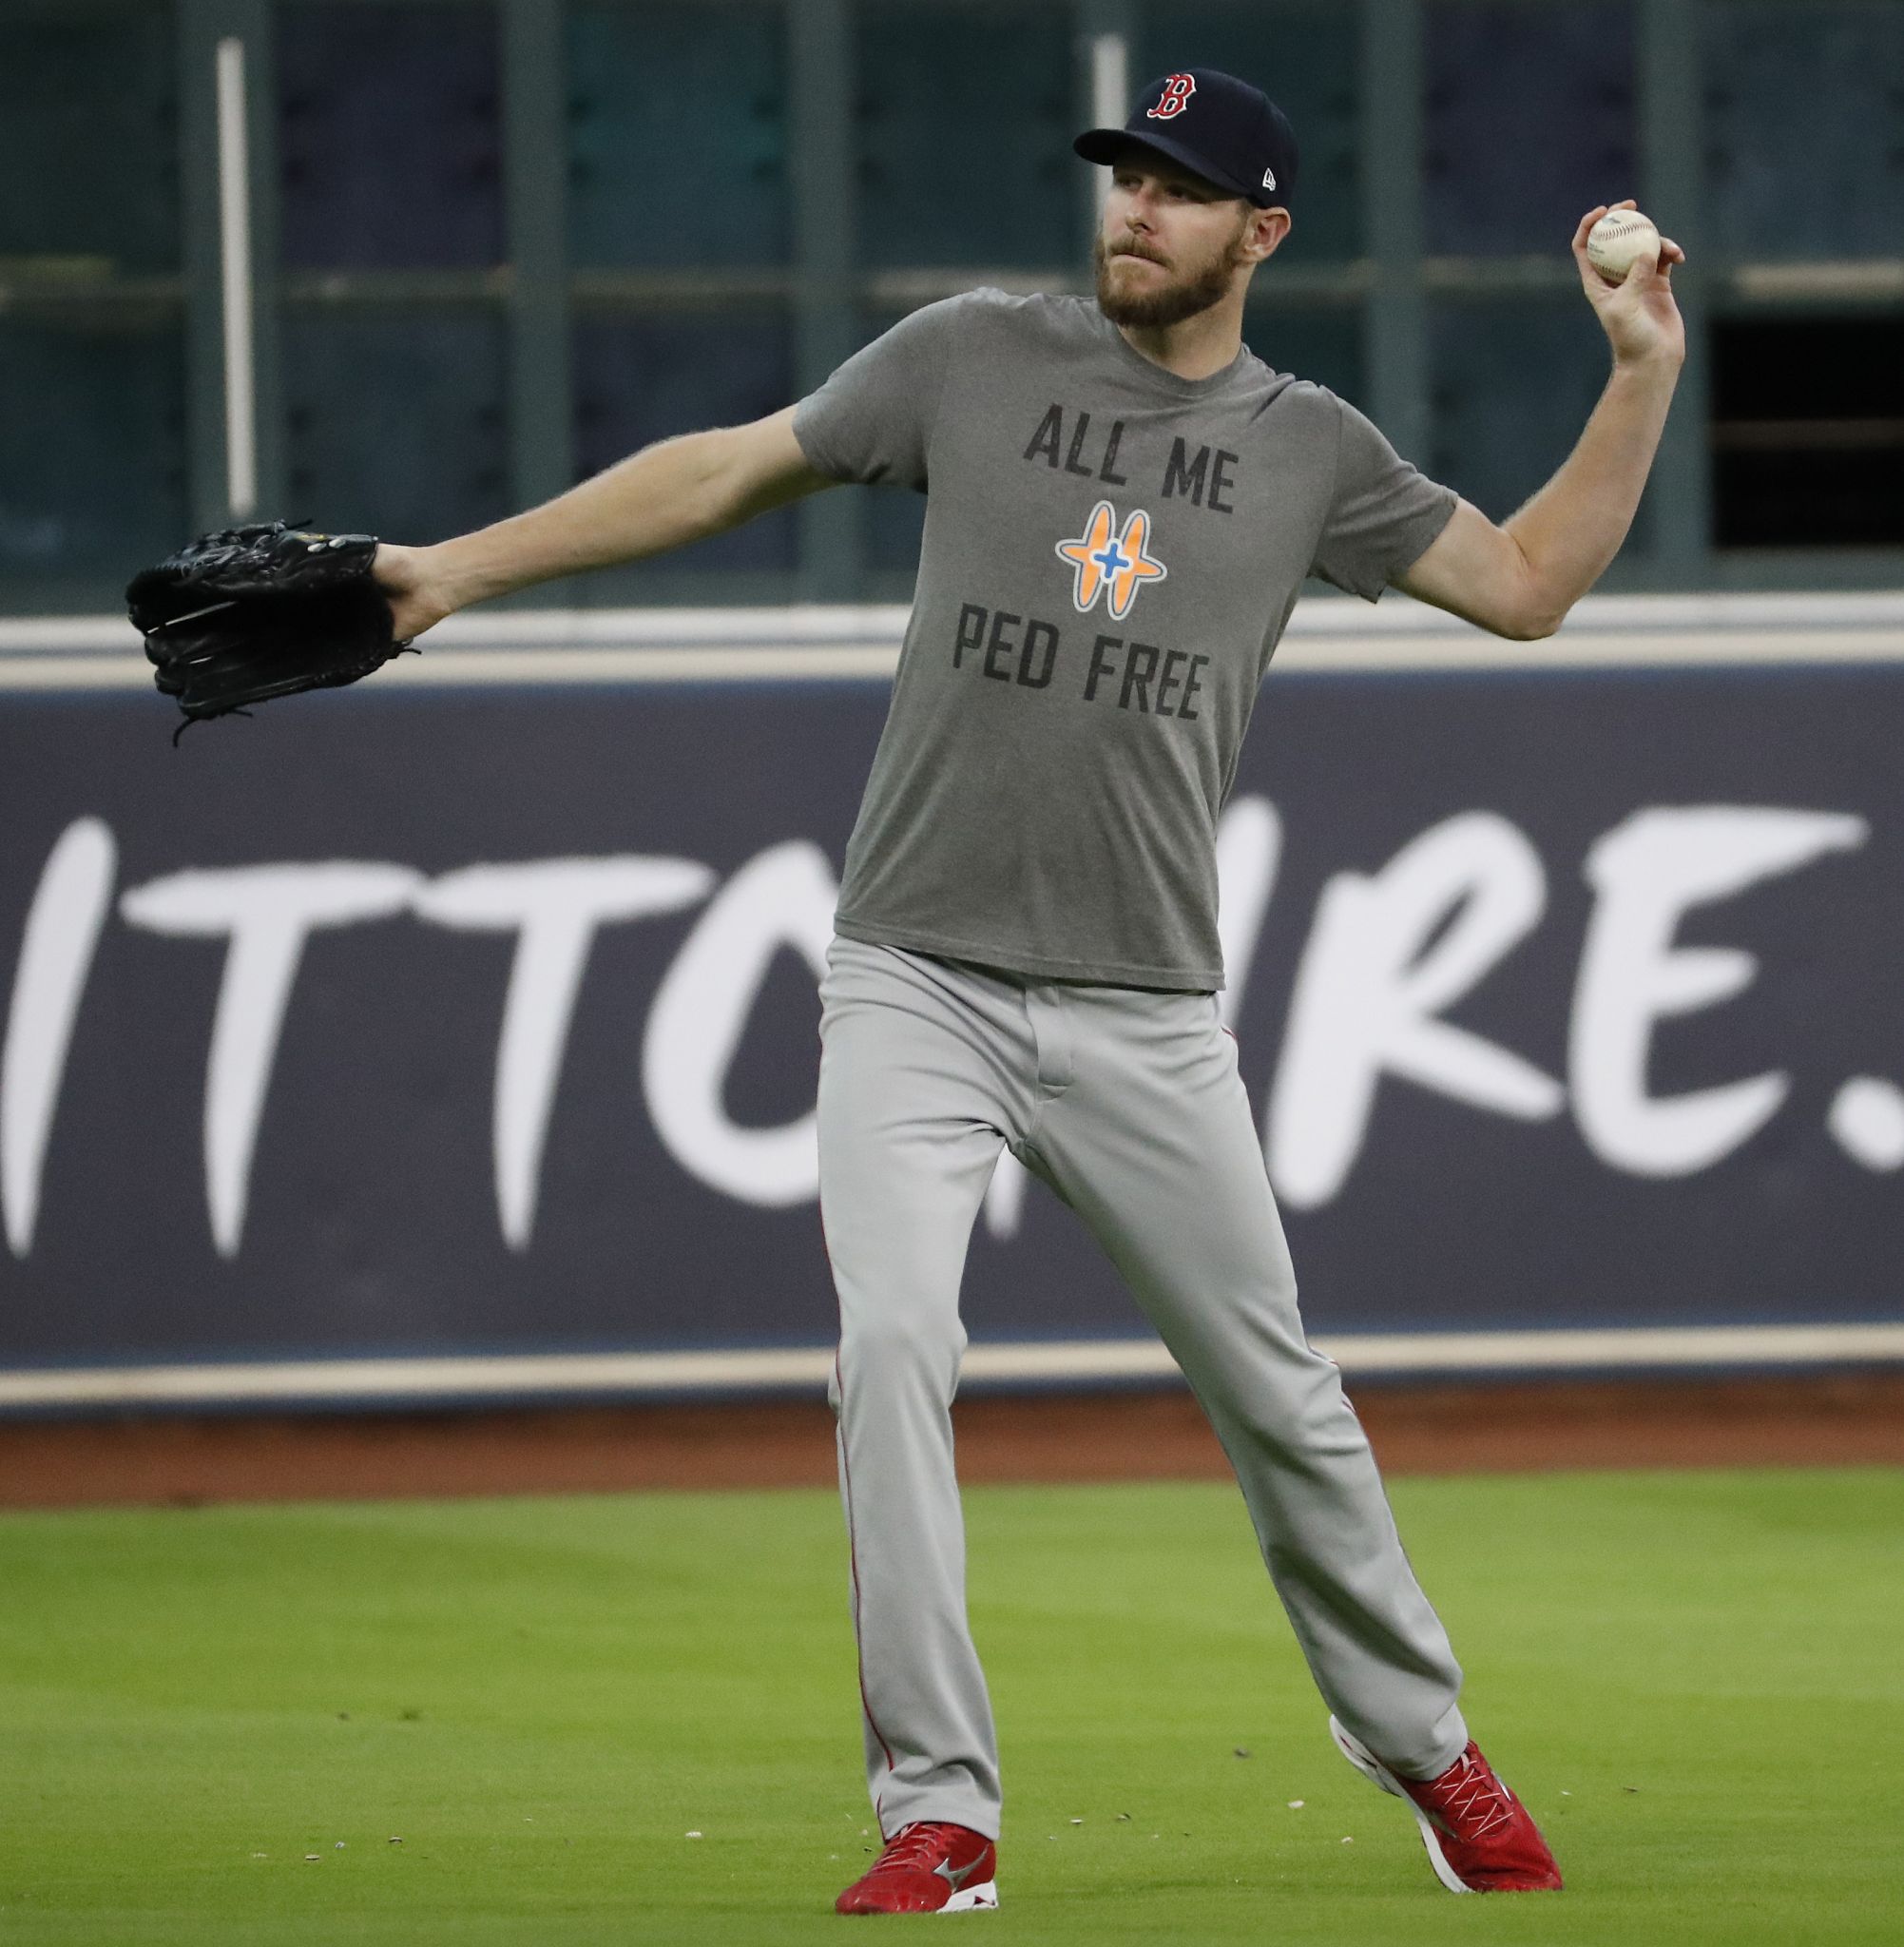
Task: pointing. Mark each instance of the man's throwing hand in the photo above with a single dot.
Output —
(1639, 315)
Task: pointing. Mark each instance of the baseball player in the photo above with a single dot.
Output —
(1122, 504)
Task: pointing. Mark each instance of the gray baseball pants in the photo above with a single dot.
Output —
(1128, 1103)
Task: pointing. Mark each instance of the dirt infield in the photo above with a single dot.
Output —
(1825, 1420)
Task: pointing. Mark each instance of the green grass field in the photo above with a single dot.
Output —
(214, 1724)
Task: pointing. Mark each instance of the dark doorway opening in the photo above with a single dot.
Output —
(1808, 431)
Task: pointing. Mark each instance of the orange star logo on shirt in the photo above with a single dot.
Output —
(1112, 565)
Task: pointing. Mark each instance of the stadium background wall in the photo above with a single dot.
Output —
(453, 1037)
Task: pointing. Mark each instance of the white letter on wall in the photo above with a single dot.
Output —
(267, 912)
(1367, 995)
(554, 906)
(1647, 871)
(782, 897)
(1249, 849)
(1005, 1196)
(56, 952)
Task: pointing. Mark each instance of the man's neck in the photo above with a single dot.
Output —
(1198, 347)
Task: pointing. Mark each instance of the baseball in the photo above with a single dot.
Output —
(1619, 241)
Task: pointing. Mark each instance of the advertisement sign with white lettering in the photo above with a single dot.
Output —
(482, 1021)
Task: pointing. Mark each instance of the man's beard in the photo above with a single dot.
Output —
(1168, 303)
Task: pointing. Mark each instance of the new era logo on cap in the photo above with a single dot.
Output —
(1226, 131)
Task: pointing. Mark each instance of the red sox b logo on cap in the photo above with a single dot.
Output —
(1178, 88)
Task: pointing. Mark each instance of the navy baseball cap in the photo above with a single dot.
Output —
(1223, 130)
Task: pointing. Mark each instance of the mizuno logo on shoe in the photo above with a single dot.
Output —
(955, 1876)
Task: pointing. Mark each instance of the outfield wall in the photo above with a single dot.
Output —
(453, 1037)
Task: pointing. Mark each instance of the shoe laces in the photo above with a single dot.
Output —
(922, 1843)
(1475, 1802)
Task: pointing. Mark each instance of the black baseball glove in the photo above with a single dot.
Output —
(250, 613)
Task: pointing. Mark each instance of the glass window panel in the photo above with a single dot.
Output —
(92, 447)
(1512, 385)
(1528, 125)
(966, 115)
(1304, 58)
(396, 422)
(640, 380)
(390, 134)
(1806, 126)
(1315, 343)
(88, 134)
(895, 524)
(678, 134)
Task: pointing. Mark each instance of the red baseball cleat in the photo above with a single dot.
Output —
(1479, 1836)
(928, 1868)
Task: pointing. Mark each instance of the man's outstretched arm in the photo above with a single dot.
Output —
(1521, 578)
(664, 496)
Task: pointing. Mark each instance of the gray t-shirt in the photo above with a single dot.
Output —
(1110, 555)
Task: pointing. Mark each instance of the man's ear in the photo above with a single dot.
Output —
(1267, 229)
